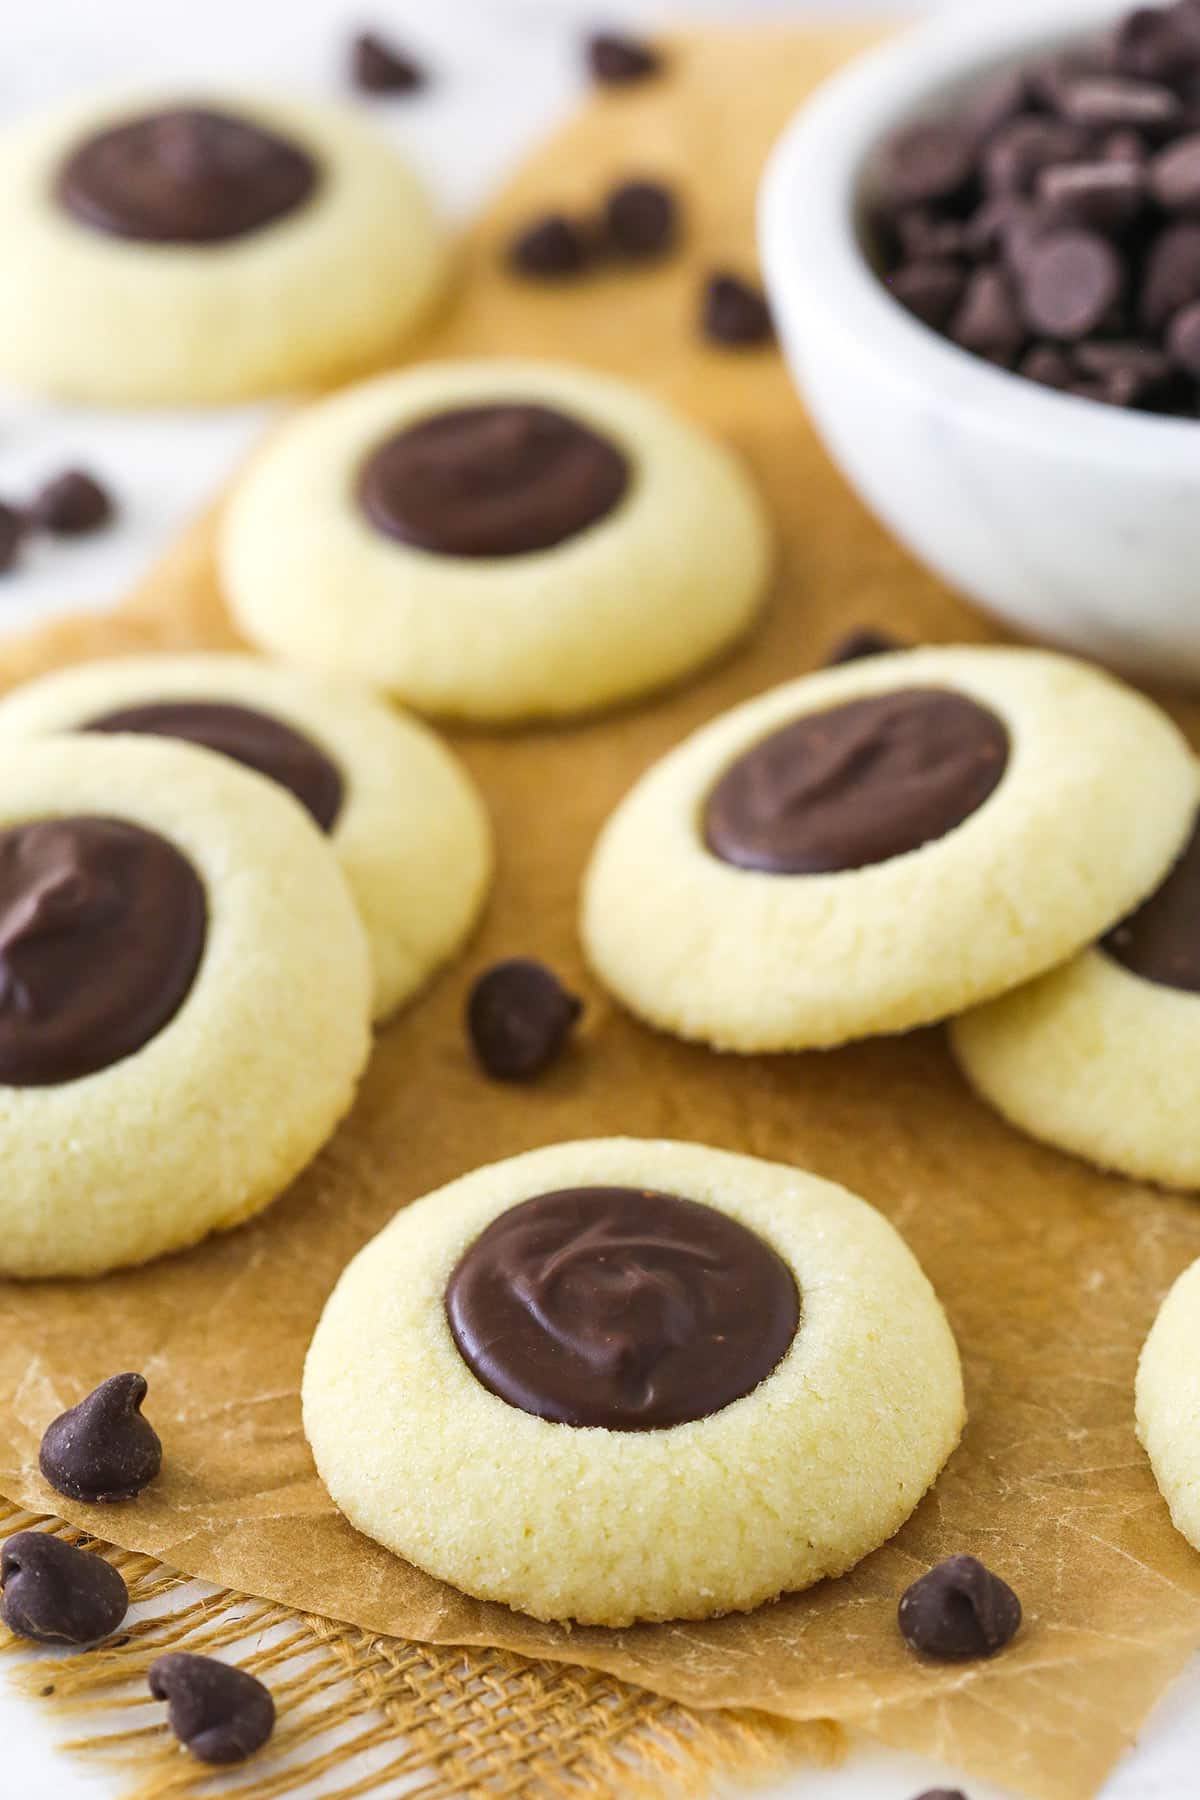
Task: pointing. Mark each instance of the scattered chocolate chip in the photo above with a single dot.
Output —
(1100, 196)
(733, 312)
(56, 1593)
(1183, 338)
(1175, 176)
(218, 1712)
(615, 60)
(989, 319)
(377, 67)
(103, 1449)
(1171, 279)
(942, 1794)
(1047, 365)
(1070, 283)
(519, 1017)
(863, 641)
(550, 249)
(641, 219)
(72, 504)
(930, 161)
(13, 526)
(931, 290)
(958, 1611)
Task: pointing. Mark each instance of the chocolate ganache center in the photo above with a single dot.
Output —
(858, 784)
(619, 1307)
(190, 175)
(1161, 940)
(102, 927)
(500, 480)
(255, 739)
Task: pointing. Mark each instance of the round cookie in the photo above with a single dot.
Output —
(624, 1318)
(406, 824)
(184, 1000)
(1102, 1057)
(495, 541)
(164, 250)
(1168, 1402)
(882, 844)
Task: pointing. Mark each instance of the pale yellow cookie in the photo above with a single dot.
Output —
(1168, 1402)
(331, 285)
(184, 999)
(856, 1410)
(1091, 797)
(1102, 1057)
(402, 816)
(663, 562)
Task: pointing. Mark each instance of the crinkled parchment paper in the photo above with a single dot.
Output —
(1050, 1273)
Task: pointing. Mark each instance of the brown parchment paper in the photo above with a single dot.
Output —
(1050, 1273)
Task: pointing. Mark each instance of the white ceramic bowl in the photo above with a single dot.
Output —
(1072, 521)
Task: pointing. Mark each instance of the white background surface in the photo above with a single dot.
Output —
(506, 70)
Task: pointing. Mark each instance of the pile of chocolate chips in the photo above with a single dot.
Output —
(1052, 223)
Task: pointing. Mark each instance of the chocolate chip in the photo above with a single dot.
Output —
(1069, 284)
(1106, 102)
(863, 641)
(1156, 43)
(1175, 175)
(614, 59)
(641, 219)
(1101, 196)
(989, 319)
(220, 1713)
(930, 161)
(71, 505)
(1047, 365)
(923, 236)
(519, 1017)
(103, 1449)
(1006, 226)
(56, 1593)
(941, 1794)
(1026, 146)
(998, 101)
(733, 312)
(931, 290)
(1183, 338)
(13, 526)
(377, 67)
(959, 1611)
(1171, 278)
(550, 248)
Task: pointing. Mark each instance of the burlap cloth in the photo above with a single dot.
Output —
(1050, 1273)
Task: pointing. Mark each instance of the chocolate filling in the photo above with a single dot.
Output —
(102, 927)
(1161, 940)
(249, 737)
(620, 1307)
(858, 784)
(186, 176)
(501, 480)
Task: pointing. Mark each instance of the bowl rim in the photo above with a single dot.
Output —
(814, 262)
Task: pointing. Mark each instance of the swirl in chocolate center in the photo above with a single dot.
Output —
(499, 480)
(255, 739)
(857, 785)
(187, 176)
(623, 1308)
(102, 927)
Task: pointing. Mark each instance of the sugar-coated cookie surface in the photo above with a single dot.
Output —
(1168, 1402)
(319, 281)
(1102, 1057)
(605, 547)
(208, 1117)
(795, 1480)
(1060, 796)
(402, 816)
